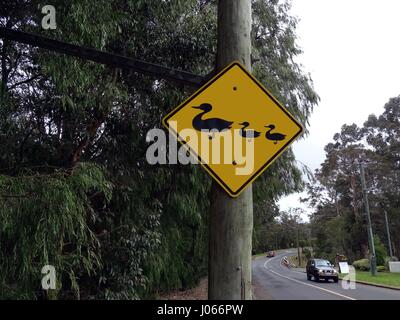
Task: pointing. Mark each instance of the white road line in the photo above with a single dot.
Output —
(306, 284)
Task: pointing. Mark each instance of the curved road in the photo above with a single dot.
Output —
(273, 281)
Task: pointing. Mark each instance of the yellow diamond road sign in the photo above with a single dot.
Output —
(234, 127)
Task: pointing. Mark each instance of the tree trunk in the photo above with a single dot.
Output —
(4, 70)
(231, 220)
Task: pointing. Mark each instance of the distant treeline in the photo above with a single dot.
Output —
(339, 220)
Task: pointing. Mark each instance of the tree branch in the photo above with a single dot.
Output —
(24, 81)
(91, 132)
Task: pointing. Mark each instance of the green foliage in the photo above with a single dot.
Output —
(75, 188)
(45, 220)
(382, 278)
(362, 265)
(380, 268)
(274, 43)
(380, 251)
(280, 231)
(302, 243)
(307, 253)
(336, 196)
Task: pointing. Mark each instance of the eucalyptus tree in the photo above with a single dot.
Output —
(75, 189)
(338, 219)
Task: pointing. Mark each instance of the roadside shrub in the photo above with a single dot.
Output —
(380, 251)
(361, 265)
(307, 253)
(303, 243)
(380, 268)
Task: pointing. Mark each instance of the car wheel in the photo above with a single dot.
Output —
(336, 280)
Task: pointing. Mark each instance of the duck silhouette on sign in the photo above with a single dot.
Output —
(211, 124)
(249, 133)
(274, 136)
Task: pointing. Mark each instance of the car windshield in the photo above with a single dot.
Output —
(323, 263)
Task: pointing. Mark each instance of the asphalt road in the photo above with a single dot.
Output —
(273, 281)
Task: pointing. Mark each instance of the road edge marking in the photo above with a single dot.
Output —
(306, 284)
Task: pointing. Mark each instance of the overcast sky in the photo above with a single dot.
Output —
(352, 51)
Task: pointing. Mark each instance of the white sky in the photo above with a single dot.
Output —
(352, 51)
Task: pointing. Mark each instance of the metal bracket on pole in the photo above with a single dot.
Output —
(102, 57)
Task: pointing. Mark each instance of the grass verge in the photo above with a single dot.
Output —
(382, 278)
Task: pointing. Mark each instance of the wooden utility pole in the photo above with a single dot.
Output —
(367, 213)
(231, 220)
(298, 247)
(388, 233)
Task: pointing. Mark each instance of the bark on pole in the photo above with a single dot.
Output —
(388, 233)
(231, 220)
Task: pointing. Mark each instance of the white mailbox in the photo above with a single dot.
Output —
(394, 266)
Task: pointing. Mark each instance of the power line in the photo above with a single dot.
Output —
(102, 57)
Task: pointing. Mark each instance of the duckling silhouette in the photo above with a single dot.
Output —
(250, 133)
(211, 124)
(274, 136)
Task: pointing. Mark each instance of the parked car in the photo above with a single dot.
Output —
(321, 269)
(270, 254)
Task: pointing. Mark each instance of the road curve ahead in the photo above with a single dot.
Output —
(273, 281)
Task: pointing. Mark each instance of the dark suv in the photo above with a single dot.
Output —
(321, 269)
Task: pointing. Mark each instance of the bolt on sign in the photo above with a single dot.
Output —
(234, 127)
